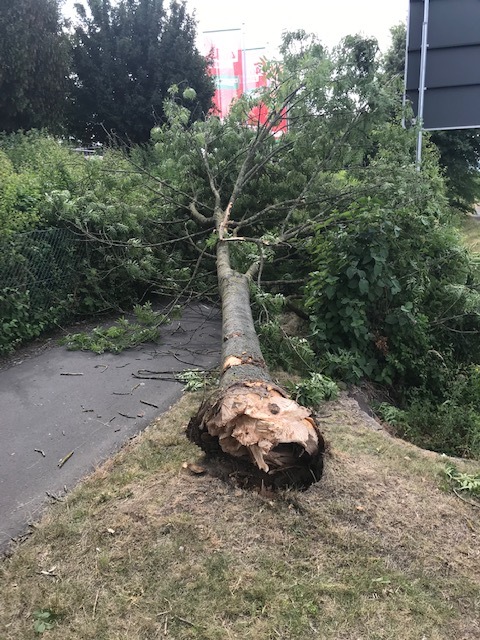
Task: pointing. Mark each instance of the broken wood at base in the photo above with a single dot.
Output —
(256, 422)
(250, 419)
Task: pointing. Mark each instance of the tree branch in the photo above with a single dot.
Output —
(199, 217)
(247, 172)
(203, 155)
(167, 185)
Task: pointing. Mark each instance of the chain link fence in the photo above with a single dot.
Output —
(43, 262)
(39, 271)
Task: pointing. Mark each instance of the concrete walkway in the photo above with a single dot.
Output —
(46, 412)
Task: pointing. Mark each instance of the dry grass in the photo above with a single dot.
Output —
(470, 231)
(143, 550)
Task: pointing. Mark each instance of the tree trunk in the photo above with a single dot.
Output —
(250, 418)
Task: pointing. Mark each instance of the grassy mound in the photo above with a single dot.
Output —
(145, 549)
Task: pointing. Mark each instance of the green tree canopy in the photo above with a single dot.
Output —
(33, 65)
(459, 149)
(125, 58)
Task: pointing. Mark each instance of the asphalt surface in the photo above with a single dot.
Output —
(46, 412)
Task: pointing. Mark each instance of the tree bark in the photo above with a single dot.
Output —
(251, 419)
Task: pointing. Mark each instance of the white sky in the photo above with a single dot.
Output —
(264, 20)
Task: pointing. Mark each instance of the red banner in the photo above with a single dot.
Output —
(237, 70)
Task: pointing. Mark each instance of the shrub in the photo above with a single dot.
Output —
(394, 298)
(450, 424)
(314, 390)
(117, 252)
(465, 482)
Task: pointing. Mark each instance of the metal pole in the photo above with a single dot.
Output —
(244, 61)
(421, 88)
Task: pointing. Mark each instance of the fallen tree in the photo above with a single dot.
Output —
(238, 194)
(250, 418)
(258, 192)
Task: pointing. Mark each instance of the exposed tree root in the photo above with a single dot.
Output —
(255, 422)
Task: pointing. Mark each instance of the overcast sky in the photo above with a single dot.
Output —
(265, 20)
(330, 19)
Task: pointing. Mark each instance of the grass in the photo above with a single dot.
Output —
(470, 231)
(379, 549)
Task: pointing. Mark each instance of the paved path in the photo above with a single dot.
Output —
(91, 415)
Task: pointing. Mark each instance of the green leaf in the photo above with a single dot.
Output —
(363, 286)
(351, 271)
(40, 626)
(330, 291)
(377, 268)
(43, 615)
(189, 94)
(395, 287)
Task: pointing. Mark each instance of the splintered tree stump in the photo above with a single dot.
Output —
(256, 423)
(250, 419)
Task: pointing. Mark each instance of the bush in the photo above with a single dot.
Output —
(450, 425)
(38, 278)
(31, 167)
(315, 390)
(116, 253)
(394, 298)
